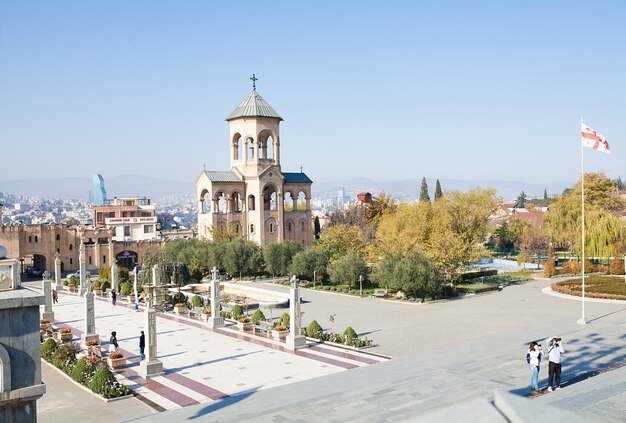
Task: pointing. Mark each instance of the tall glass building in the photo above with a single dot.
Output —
(99, 194)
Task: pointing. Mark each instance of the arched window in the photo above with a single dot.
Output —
(250, 148)
(237, 204)
(71, 247)
(288, 201)
(301, 201)
(205, 201)
(252, 228)
(251, 204)
(222, 204)
(266, 144)
(270, 198)
(271, 227)
(237, 147)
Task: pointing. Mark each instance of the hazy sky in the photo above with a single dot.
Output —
(386, 90)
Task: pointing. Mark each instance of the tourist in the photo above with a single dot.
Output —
(55, 296)
(142, 345)
(113, 346)
(533, 357)
(555, 349)
(113, 297)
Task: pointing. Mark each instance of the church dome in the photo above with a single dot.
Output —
(253, 106)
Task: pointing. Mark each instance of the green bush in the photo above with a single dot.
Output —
(236, 312)
(48, 349)
(284, 320)
(349, 336)
(83, 371)
(257, 316)
(64, 357)
(65, 282)
(106, 285)
(127, 288)
(104, 383)
(97, 284)
(313, 330)
(179, 297)
(197, 301)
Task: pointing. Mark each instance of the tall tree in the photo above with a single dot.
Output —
(311, 260)
(412, 273)
(278, 256)
(316, 227)
(545, 193)
(520, 201)
(347, 269)
(438, 192)
(424, 196)
(619, 184)
(337, 240)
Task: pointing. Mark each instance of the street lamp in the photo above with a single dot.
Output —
(361, 285)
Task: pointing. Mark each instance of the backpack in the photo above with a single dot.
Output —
(528, 357)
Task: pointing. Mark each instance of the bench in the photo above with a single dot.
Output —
(380, 293)
(264, 326)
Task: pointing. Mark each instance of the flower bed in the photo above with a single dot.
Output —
(87, 372)
(348, 338)
(607, 287)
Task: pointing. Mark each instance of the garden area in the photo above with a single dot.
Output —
(607, 287)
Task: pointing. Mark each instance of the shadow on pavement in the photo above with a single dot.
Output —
(217, 405)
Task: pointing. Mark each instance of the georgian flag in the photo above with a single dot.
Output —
(591, 139)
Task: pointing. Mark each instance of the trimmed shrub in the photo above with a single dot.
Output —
(258, 316)
(616, 267)
(179, 297)
(83, 371)
(127, 288)
(97, 285)
(313, 330)
(197, 301)
(236, 312)
(104, 383)
(106, 285)
(349, 335)
(65, 356)
(549, 269)
(284, 320)
(48, 349)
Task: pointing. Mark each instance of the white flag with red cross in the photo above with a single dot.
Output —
(591, 139)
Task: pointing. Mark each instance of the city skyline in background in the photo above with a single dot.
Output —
(393, 92)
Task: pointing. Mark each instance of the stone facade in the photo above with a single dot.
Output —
(255, 198)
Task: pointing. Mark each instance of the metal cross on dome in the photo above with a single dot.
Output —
(254, 79)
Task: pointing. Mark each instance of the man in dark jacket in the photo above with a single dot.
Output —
(142, 345)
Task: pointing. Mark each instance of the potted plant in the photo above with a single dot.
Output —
(116, 360)
(93, 348)
(244, 323)
(206, 313)
(71, 286)
(279, 332)
(66, 334)
(127, 291)
(45, 325)
(97, 288)
(180, 308)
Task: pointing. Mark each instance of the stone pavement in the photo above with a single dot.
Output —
(202, 365)
(450, 352)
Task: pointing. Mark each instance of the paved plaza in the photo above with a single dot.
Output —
(446, 352)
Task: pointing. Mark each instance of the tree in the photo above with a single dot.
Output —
(619, 185)
(278, 256)
(347, 269)
(316, 227)
(381, 204)
(412, 273)
(424, 196)
(545, 194)
(225, 232)
(438, 192)
(533, 242)
(337, 240)
(241, 257)
(520, 201)
(313, 259)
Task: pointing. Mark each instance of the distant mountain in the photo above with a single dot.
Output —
(409, 189)
(155, 188)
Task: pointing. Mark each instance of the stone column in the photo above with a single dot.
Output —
(114, 281)
(151, 366)
(82, 267)
(89, 332)
(156, 278)
(215, 321)
(136, 286)
(57, 272)
(295, 340)
(47, 292)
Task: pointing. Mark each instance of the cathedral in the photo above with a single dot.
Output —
(255, 198)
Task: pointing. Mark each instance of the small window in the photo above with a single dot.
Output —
(113, 231)
(30, 238)
(58, 251)
(126, 230)
(303, 225)
(252, 228)
(70, 247)
(148, 229)
(36, 238)
(271, 228)
(104, 259)
(58, 237)
(289, 226)
(89, 259)
(70, 260)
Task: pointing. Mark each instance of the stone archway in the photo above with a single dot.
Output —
(39, 262)
(127, 259)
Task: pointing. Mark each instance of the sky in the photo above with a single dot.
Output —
(384, 90)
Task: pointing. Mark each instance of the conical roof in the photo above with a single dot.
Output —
(253, 106)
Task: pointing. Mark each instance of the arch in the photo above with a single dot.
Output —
(250, 148)
(270, 197)
(302, 203)
(237, 146)
(127, 259)
(205, 201)
(270, 226)
(39, 261)
(221, 202)
(288, 201)
(236, 202)
(266, 140)
(5, 370)
(251, 202)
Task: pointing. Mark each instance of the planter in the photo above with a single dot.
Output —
(244, 326)
(116, 363)
(94, 351)
(279, 334)
(98, 292)
(131, 298)
(205, 317)
(66, 337)
(180, 310)
(72, 288)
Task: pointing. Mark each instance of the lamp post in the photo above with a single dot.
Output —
(314, 279)
(361, 285)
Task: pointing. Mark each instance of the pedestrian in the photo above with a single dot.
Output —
(113, 297)
(142, 345)
(55, 296)
(113, 346)
(533, 357)
(555, 349)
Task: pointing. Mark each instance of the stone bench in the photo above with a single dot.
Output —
(380, 293)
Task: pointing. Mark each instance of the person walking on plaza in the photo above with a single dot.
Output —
(555, 349)
(55, 296)
(113, 297)
(142, 345)
(533, 357)
(113, 346)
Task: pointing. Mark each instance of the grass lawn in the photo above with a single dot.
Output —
(610, 287)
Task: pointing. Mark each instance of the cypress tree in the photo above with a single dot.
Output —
(316, 227)
(545, 194)
(424, 197)
(438, 192)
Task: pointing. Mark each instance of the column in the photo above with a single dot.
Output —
(114, 276)
(57, 272)
(216, 320)
(295, 340)
(98, 256)
(156, 278)
(47, 292)
(81, 266)
(136, 286)
(151, 366)
(90, 319)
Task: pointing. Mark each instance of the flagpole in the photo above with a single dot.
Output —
(582, 320)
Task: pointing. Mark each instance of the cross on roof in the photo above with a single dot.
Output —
(254, 79)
